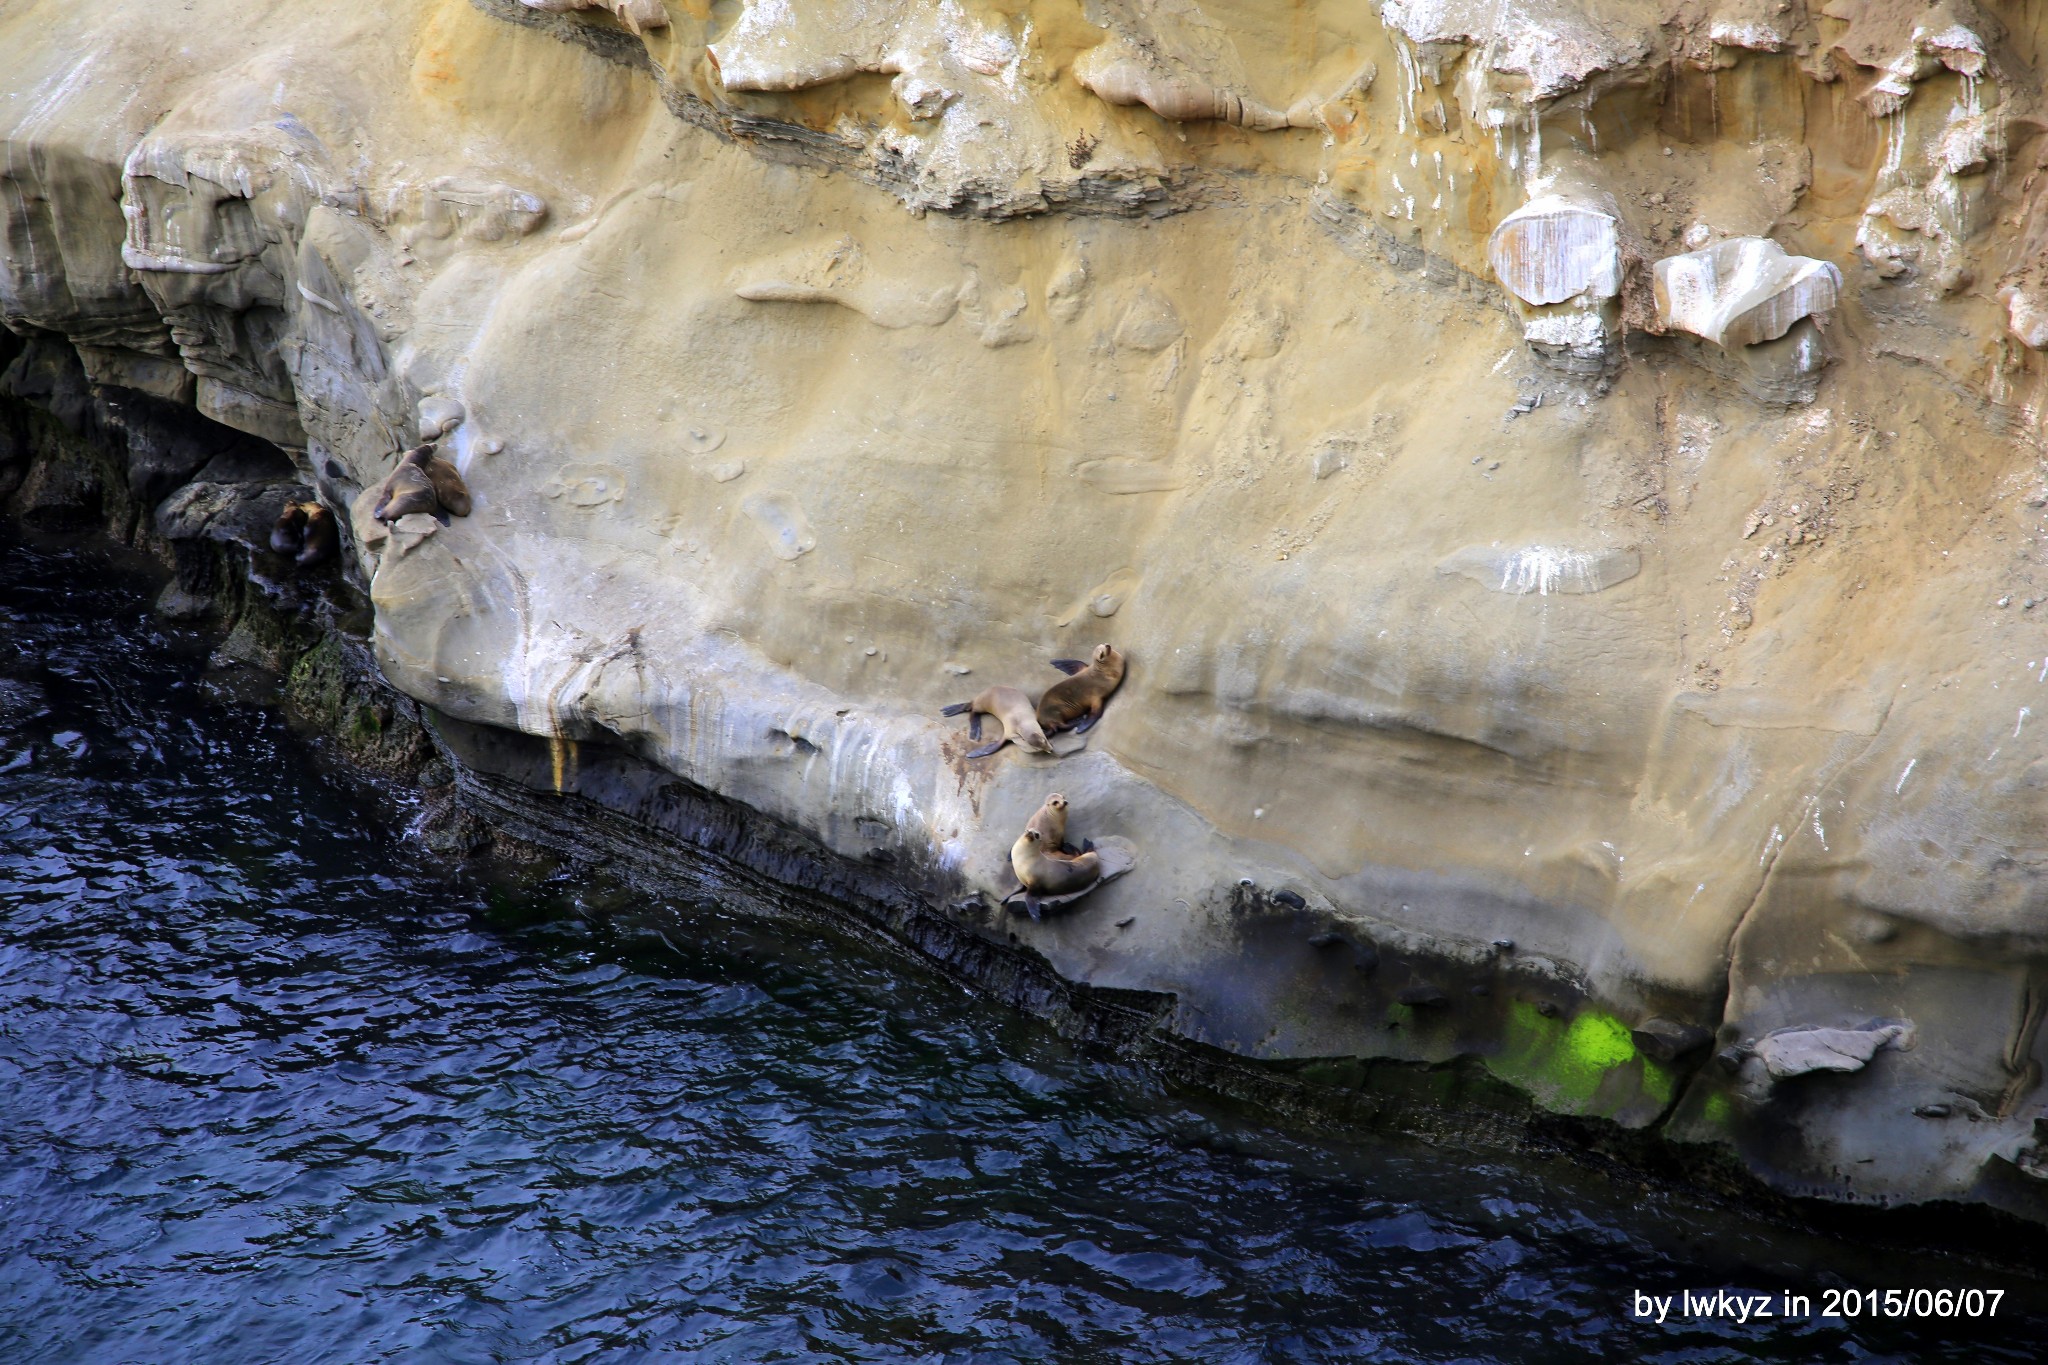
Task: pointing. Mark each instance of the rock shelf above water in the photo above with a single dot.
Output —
(803, 359)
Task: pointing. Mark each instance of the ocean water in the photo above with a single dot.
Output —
(276, 1087)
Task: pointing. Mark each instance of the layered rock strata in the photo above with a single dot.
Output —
(1566, 477)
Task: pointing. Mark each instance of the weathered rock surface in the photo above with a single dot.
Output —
(802, 358)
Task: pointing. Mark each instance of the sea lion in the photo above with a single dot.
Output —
(290, 529)
(322, 540)
(449, 488)
(1051, 823)
(405, 490)
(1048, 874)
(422, 482)
(1013, 709)
(1075, 702)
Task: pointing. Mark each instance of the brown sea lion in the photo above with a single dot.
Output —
(449, 488)
(1051, 821)
(1047, 874)
(1013, 709)
(290, 529)
(405, 490)
(322, 540)
(1075, 702)
(1051, 824)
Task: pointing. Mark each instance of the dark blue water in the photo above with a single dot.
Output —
(273, 1087)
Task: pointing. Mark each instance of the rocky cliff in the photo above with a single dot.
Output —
(1566, 476)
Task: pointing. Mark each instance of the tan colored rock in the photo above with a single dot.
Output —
(815, 391)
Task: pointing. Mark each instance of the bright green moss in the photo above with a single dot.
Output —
(1598, 1042)
(1587, 1066)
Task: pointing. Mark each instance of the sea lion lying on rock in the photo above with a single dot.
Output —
(1075, 702)
(1046, 872)
(422, 482)
(1013, 709)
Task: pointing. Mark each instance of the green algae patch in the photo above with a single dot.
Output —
(1588, 1066)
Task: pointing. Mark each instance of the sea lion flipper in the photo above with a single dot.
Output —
(974, 726)
(1070, 666)
(985, 750)
(1087, 846)
(958, 708)
(1087, 723)
(1032, 906)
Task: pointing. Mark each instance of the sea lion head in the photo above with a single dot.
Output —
(1105, 654)
(1056, 802)
(1034, 736)
(1032, 836)
(417, 456)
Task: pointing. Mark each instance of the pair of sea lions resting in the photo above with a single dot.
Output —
(305, 532)
(1073, 703)
(1045, 864)
(422, 482)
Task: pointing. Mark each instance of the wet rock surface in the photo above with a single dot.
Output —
(1621, 579)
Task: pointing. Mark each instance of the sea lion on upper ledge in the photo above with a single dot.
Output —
(1075, 703)
(1010, 706)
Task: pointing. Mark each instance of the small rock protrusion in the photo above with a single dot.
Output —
(1421, 996)
(1933, 1111)
(1291, 899)
(1503, 945)
(1548, 1009)
(438, 417)
(1667, 1040)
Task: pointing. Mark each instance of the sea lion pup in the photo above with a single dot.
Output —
(289, 532)
(1048, 874)
(1051, 824)
(1075, 703)
(1013, 709)
(322, 540)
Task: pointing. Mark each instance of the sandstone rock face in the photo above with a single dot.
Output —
(806, 360)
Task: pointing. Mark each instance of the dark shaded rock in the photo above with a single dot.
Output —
(1666, 1040)
(61, 495)
(1290, 899)
(1422, 996)
(240, 513)
(1933, 1111)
